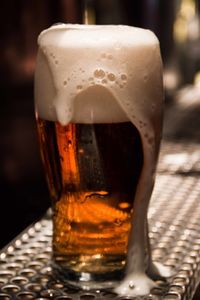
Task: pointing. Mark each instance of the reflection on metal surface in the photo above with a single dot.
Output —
(25, 271)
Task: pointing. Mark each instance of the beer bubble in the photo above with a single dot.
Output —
(90, 78)
(99, 73)
(123, 77)
(111, 77)
(124, 205)
(79, 87)
(110, 56)
(64, 82)
(104, 81)
(56, 62)
(118, 222)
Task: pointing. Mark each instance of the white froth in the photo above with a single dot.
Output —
(105, 74)
(120, 59)
(75, 35)
(136, 285)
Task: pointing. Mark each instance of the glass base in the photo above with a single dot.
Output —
(88, 281)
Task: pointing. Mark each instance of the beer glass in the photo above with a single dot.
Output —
(98, 97)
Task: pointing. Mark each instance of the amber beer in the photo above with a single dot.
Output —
(92, 172)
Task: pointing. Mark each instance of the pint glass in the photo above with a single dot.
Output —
(98, 97)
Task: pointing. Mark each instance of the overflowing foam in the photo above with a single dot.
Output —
(105, 74)
(119, 63)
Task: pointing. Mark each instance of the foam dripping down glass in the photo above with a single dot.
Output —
(99, 103)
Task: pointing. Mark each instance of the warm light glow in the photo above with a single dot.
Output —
(187, 9)
(171, 79)
(185, 25)
(89, 14)
(197, 78)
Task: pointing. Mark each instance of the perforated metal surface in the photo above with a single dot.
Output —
(174, 216)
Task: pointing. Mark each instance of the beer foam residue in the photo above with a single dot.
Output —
(106, 74)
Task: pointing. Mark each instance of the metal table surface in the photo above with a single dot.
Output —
(174, 216)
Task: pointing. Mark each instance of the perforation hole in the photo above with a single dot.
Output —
(109, 295)
(19, 280)
(25, 296)
(70, 290)
(87, 297)
(27, 272)
(11, 288)
(6, 274)
(34, 287)
(13, 266)
(4, 297)
(35, 265)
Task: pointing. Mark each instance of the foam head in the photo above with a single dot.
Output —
(83, 69)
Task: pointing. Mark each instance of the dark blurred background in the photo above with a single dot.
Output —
(23, 190)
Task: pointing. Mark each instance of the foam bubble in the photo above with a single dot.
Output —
(99, 73)
(124, 77)
(111, 76)
(104, 81)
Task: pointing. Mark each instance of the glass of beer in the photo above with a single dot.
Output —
(98, 99)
